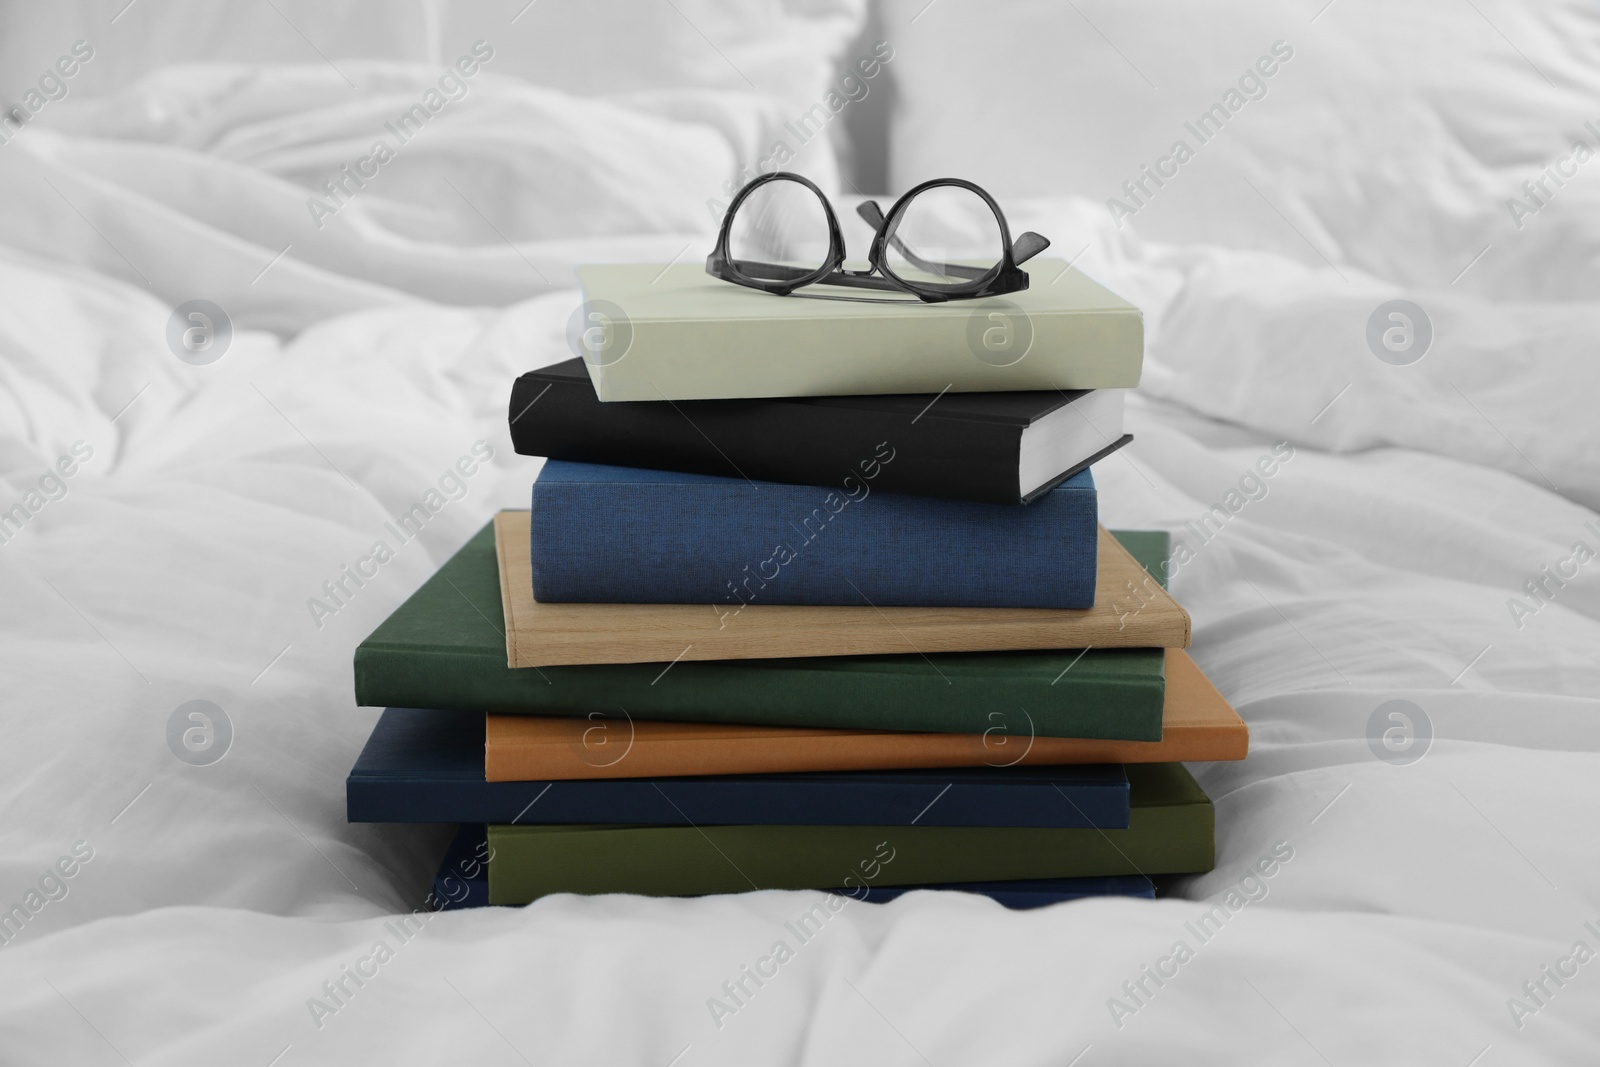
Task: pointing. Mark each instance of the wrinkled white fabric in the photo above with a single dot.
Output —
(211, 181)
(1434, 143)
(176, 561)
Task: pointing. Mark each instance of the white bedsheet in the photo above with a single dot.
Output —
(176, 564)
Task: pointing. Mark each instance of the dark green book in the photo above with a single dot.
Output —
(1171, 831)
(445, 648)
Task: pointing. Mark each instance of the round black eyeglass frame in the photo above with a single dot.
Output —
(1006, 276)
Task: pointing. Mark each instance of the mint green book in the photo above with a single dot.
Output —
(649, 332)
(1171, 831)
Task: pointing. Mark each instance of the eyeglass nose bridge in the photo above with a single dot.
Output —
(1025, 247)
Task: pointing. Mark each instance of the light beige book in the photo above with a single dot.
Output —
(653, 332)
(1130, 611)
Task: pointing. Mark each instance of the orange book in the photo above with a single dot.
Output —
(1197, 724)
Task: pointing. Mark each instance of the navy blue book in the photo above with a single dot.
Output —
(426, 766)
(1019, 896)
(622, 535)
(463, 882)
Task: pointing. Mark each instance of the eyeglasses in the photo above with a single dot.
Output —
(780, 234)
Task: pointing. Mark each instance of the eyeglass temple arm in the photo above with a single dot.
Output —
(1024, 248)
(1028, 245)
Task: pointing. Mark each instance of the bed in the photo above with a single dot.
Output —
(1406, 610)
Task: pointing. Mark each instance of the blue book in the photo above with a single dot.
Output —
(463, 882)
(1020, 895)
(426, 766)
(621, 535)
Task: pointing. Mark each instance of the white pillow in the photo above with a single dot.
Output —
(788, 51)
(784, 49)
(199, 178)
(536, 163)
(1388, 137)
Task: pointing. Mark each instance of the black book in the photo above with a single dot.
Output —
(993, 448)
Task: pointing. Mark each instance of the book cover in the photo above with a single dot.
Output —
(1171, 831)
(730, 543)
(445, 648)
(648, 332)
(424, 766)
(462, 881)
(1130, 610)
(1197, 725)
(955, 446)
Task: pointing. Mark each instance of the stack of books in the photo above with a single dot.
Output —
(800, 603)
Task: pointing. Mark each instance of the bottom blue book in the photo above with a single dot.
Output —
(463, 882)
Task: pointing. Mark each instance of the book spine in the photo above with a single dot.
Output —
(714, 359)
(759, 754)
(1123, 707)
(756, 800)
(530, 863)
(769, 440)
(518, 761)
(730, 544)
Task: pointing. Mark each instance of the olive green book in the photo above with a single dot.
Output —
(445, 648)
(1171, 831)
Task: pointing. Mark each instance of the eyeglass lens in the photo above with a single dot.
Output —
(939, 227)
(780, 222)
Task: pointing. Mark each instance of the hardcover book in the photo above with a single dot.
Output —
(427, 766)
(1170, 832)
(445, 648)
(649, 332)
(674, 538)
(462, 881)
(1130, 610)
(1197, 725)
(993, 448)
